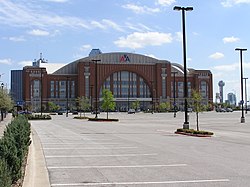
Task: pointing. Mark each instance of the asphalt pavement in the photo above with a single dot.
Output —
(141, 150)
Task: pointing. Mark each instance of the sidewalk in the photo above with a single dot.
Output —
(36, 173)
(4, 123)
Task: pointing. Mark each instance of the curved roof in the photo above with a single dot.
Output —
(110, 58)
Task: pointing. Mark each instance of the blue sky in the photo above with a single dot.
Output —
(66, 30)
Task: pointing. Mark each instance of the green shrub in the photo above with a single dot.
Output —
(192, 131)
(5, 179)
(78, 117)
(38, 117)
(102, 119)
(14, 146)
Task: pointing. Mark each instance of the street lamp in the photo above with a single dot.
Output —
(183, 9)
(96, 85)
(242, 119)
(91, 96)
(152, 94)
(128, 89)
(245, 94)
(2, 85)
(174, 93)
(41, 60)
(67, 103)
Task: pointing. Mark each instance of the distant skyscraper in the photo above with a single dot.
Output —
(17, 86)
(231, 99)
(221, 85)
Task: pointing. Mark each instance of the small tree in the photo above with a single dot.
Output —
(136, 104)
(83, 104)
(108, 101)
(6, 103)
(53, 107)
(196, 96)
(164, 106)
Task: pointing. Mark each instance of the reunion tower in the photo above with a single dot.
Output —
(221, 85)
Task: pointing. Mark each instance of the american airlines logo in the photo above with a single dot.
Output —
(124, 58)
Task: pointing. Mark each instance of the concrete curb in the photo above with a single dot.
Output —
(36, 173)
(195, 135)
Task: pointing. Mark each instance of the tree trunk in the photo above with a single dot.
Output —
(107, 114)
(197, 120)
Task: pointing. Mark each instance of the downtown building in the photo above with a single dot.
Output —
(129, 76)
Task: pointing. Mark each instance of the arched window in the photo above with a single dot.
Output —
(125, 84)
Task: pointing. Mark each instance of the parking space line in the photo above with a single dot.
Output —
(90, 148)
(118, 155)
(144, 183)
(100, 167)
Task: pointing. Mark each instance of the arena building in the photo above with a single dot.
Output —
(129, 76)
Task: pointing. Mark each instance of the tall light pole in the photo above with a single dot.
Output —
(183, 9)
(245, 94)
(39, 61)
(242, 119)
(91, 98)
(96, 89)
(2, 85)
(67, 94)
(174, 93)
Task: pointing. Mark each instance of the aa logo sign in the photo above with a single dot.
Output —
(124, 58)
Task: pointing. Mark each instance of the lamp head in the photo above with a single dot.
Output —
(178, 8)
(240, 49)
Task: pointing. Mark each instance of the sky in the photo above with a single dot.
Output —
(67, 30)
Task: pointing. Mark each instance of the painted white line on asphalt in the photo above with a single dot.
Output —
(90, 148)
(143, 183)
(119, 155)
(99, 167)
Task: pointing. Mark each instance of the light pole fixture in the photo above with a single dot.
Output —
(245, 94)
(174, 90)
(183, 9)
(2, 85)
(96, 89)
(242, 119)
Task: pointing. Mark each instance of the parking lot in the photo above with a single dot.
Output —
(142, 150)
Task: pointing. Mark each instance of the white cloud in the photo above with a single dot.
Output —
(85, 47)
(57, 1)
(37, 32)
(231, 39)
(29, 15)
(25, 63)
(6, 61)
(216, 55)
(112, 24)
(227, 67)
(140, 9)
(230, 3)
(138, 27)
(141, 40)
(165, 2)
(17, 39)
